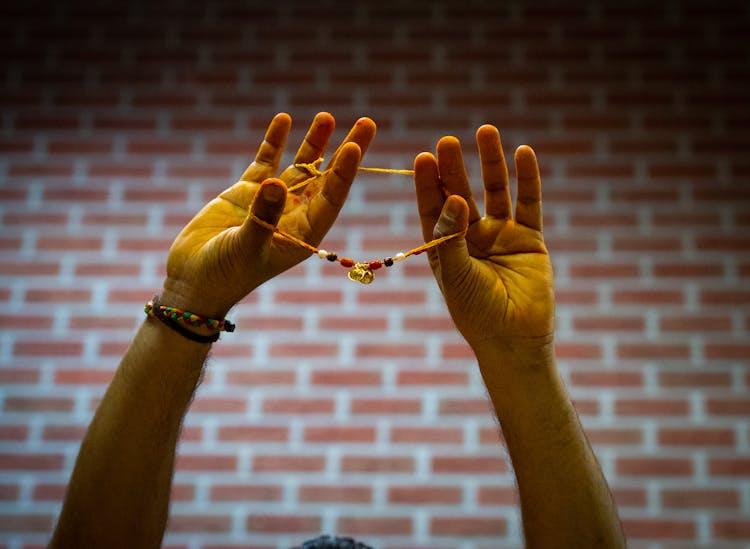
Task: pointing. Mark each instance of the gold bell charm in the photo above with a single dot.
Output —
(361, 272)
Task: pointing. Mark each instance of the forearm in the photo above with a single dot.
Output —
(118, 495)
(565, 500)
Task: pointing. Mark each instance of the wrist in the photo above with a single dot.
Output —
(180, 295)
(507, 363)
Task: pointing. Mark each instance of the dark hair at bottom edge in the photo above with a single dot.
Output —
(331, 542)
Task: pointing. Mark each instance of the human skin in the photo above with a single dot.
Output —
(497, 282)
(118, 494)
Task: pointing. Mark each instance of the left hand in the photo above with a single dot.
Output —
(222, 254)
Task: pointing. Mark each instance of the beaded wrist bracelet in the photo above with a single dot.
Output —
(174, 318)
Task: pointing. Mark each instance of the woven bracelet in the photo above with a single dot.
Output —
(174, 318)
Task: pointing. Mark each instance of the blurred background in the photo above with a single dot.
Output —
(358, 410)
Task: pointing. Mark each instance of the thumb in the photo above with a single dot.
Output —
(453, 254)
(267, 206)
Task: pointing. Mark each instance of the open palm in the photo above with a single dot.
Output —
(497, 281)
(222, 253)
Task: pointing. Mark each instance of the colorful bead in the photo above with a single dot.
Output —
(322, 254)
(331, 257)
(376, 264)
(399, 256)
(346, 262)
(388, 262)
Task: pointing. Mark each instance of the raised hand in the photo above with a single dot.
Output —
(222, 254)
(497, 280)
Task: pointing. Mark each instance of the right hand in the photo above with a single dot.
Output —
(497, 279)
(222, 254)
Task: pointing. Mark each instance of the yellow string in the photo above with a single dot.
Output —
(313, 168)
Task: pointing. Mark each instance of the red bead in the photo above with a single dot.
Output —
(346, 262)
(372, 265)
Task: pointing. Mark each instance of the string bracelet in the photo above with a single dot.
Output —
(177, 319)
(313, 169)
(359, 271)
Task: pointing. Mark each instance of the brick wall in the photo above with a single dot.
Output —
(358, 410)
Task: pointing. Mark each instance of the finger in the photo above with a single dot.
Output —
(453, 173)
(267, 160)
(497, 201)
(529, 201)
(267, 205)
(453, 254)
(325, 205)
(430, 192)
(314, 144)
(362, 133)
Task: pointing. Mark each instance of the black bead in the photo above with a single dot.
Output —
(332, 257)
(388, 261)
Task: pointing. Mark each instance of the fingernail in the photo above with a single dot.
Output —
(452, 209)
(272, 193)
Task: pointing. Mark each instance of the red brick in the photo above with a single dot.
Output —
(49, 492)
(30, 269)
(652, 407)
(262, 377)
(17, 322)
(468, 526)
(424, 495)
(31, 462)
(14, 432)
(728, 406)
(696, 437)
(38, 404)
(340, 435)
(256, 433)
(345, 377)
(199, 523)
(374, 526)
(695, 379)
(647, 528)
(434, 435)
(585, 271)
(303, 297)
(298, 406)
(18, 375)
(375, 464)
(242, 492)
(432, 377)
(468, 464)
(700, 498)
(378, 406)
(504, 495)
(218, 405)
(647, 297)
(64, 432)
(69, 244)
(732, 529)
(304, 350)
(279, 464)
(83, 376)
(578, 351)
(595, 323)
(282, 523)
(727, 351)
(465, 406)
(57, 296)
(335, 494)
(731, 467)
(653, 466)
(26, 523)
(614, 436)
(213, 462)
(632, 497)
(43, 348)
(655, 351)
(695, 323)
